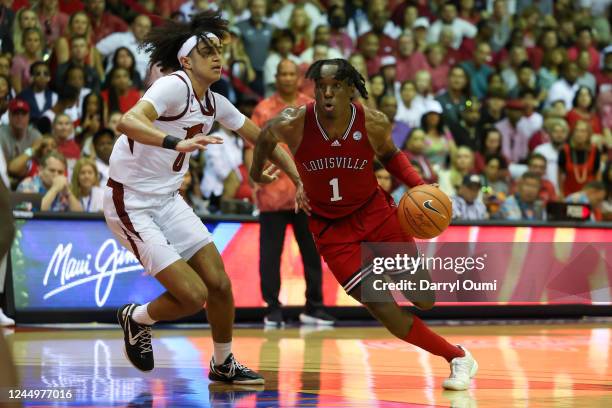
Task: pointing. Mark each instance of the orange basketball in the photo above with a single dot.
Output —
(424, 212)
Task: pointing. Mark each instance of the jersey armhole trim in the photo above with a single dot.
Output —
(180, 115)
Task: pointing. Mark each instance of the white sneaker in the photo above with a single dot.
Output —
(462, 370)
(5, 321)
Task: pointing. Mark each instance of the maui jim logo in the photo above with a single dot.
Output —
(110, 261)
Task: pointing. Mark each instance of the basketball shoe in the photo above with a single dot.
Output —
(317, 317)
(231, 371)
(462, 371)
(137, 339)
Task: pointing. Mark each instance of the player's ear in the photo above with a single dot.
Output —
(185, 62)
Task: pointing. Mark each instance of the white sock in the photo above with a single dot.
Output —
(141, 315)
(221, 351)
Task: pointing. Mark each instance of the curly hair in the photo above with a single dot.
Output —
(165, 41)
(346, 72)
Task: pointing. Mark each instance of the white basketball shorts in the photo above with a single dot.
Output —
(158, 229)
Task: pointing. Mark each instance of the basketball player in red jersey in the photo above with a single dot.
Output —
(334, 142)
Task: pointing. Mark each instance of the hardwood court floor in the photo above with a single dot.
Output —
(520, 365)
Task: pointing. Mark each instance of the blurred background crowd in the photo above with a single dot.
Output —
(506, 104)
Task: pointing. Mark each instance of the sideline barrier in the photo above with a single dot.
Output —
(70, 266)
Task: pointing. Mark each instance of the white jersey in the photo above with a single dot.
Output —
(153, 169)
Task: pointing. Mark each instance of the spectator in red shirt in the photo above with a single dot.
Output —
(584, 104)
(52, 20)
(437, 67)
(63, 132)
(584, 42)
(369, 47)
(409, 61)
(120, 95)
(103, 23)
(379, 19)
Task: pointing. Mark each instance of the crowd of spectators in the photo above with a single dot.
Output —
(506, 104)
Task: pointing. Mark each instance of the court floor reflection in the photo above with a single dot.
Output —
(554, 365)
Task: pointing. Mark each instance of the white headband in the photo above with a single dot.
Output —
(190, 44)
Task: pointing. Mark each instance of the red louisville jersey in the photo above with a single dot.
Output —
(338, 175)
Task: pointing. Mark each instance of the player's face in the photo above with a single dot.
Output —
(207, 60)
(330, 93)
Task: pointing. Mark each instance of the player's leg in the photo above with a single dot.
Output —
(220, 311)
(129, 218)
(313, 273)
(186, 232)
(272, 226)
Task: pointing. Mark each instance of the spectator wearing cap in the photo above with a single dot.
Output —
(409, 59)
(439, 143)
(388, 70)
(524, 204)
(584, 42)
(514, 141)
(565, 88)
(103, 23)
(456, 95)
(467, 205)
(256, 37)
(478, 69)
(448, 17)
(53, 184)
(467, 131)
(18, 135)
(420, 30)
(387, 104)
(131, 39)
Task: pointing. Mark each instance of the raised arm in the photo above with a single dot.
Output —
(396, 162)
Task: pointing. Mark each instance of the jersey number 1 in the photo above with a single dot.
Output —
(335, 190)
(191, 132)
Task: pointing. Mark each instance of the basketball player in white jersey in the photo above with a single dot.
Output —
(142, 205)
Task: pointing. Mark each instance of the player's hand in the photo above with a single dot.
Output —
(198, 142)
(269, 175)
(301, 200)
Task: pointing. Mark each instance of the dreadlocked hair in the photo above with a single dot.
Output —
(346, 72)
(165, 41)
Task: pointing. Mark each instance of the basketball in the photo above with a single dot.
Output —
(424, 212)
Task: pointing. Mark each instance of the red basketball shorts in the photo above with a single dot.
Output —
(339, 241)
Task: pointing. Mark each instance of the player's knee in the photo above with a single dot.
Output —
(195, 300)
(221, 286)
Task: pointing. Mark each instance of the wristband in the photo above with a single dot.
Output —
(170, 142)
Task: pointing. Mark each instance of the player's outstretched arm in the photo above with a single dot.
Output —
(379, 135)
(137, 124)
(251, 132)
